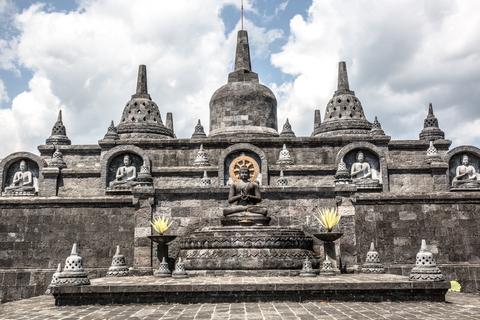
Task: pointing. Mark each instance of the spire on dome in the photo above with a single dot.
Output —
(377, 127)
(142, 89)
(431, 129)
(243, 65)
(59, 133)
(342, 85)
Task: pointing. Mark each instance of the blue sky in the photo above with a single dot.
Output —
(81, 57)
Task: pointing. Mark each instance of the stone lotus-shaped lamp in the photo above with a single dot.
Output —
(329, 218)
(161, 225)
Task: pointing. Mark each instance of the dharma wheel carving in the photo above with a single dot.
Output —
(247, 161)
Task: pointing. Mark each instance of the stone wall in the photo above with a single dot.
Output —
(37, 234)
(450, 223)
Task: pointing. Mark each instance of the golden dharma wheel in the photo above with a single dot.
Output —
(241, 161)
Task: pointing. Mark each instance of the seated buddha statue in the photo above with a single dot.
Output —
(465, 175)
(361, 172)
(243, 198)
(126, 175)
(22, 180)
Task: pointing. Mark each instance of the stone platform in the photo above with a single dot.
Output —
(246, 248)
(355, 287)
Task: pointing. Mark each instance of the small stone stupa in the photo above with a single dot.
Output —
(119, 265)
(342, 176)
(327, 267)
(344, 113)
(59, 133)
(431, 129)
(377, 128)
(307, 269)
(73, 273)
(372, 263)
(112, 133)
(284, 157)
(179, 271)
(425, 266)
(199, 132)
(163, 271)
(287, 130)
(54, 281)
(57, 159)
(201, 160)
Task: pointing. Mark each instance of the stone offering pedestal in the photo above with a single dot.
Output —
(328, 239)
(162, 248)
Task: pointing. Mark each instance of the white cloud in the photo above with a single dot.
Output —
(400, 54)
(3, 92)
(89, 59)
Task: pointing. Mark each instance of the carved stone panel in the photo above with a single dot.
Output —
(375, 179)
(14, 168)
(117, 162)
(472, 181)
(236, 159)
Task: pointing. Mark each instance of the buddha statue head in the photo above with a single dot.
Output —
(127, 161)
(244, 173)
(465, 160)
(23, 166)
(360, 157)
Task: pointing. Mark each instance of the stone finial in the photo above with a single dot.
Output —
(169, 122)
(287, 130)
(284, 157)
(201, 160)
(59, 133)
(342, 85)
(142, 89)
(199, 131)
(425, 268)
(431, 129)
(112, 133)
(242, 55)
(119, 265)
(205, 182)
(377, 127)
(317, 121)
(163, 271)
(54, 281)
(342, 176)
(327, 267)
(57, 159)
(179, 271)
(243, 66)
(372, 263)
(73, 273)
(307, 270)
(282, 181)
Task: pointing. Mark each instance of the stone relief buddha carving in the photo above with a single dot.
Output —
(126, 175)
(243, 198)
(23, 181)
(362, 173)
(465, 175)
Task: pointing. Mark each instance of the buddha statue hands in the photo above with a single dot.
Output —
(126, 175)
(243, 197)
(23, 180)
(465, 175)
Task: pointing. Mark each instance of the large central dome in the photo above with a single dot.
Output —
(243, 105)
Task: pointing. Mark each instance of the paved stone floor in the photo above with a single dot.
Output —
(459, 307)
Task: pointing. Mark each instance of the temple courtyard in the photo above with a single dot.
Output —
(458, 306)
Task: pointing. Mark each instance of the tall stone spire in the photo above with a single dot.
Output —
(243, 65)
(344, 113)
(431, 130)
(142, 89)
(317, 121)
(342, 85)
(141, 117)
(59, 133)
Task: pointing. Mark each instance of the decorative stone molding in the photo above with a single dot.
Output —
(248, 148)
(18, 156)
